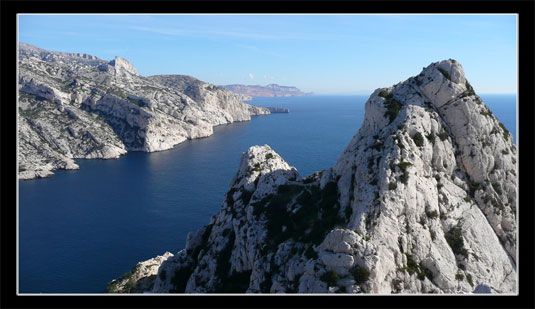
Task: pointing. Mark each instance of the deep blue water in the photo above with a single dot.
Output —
(81, 229)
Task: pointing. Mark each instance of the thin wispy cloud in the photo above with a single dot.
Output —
(259, 50)
(205, 32)
(251, 76)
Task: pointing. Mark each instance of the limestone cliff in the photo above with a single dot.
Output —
(422, 200)
(79, 106)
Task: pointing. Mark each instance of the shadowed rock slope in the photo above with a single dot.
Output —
(79, 106)
(422, 200)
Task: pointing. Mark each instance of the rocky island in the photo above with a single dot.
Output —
(79, 106)
(422, 200)
(269, 91)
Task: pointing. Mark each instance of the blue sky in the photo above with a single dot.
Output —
(325, 54)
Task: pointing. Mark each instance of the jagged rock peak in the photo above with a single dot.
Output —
(122, 64)
(436, 123)
(423, 200)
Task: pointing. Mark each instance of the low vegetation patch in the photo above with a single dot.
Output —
(473, 187)
(418, 139)
(421, 271)
(505, 131)
(392, 105)
(360, 274)
(443, 136)
(454, 237)
(384, 93)
(330, 277)
(431, 214)
(318, 212)
(469, 279)
(405, 174)
(431, 138)
(469, 90)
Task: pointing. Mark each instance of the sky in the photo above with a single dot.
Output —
(322, 53)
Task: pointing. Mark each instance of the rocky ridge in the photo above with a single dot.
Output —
(271, 90)
(79, 106)
(422, 200)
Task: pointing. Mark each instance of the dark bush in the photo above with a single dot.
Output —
(454, 237)
(469, 279)
(469, 90)
(443, 136)
(405, 174)
(418, 139)
(392, 108)
(505, 131)
(384, 93)
(330, 277)
(431, 214)
(473, 187)
(431, 138)
(360, 274)
(412, 266)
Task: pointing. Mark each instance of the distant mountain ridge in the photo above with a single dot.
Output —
(271, 90)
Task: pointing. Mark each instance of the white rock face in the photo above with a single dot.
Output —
(141, 278)
(78, 106)
(422, 200)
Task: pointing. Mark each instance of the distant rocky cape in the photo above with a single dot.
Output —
(79, 106)
(422, 200)
(272, 90)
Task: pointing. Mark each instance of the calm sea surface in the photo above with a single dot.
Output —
(80, 229)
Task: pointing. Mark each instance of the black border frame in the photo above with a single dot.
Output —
(525, 11)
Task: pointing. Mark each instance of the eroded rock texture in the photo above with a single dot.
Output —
(423, 200)
(79, 106)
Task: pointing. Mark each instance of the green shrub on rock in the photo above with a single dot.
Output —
(360, 274)
(418, 139)
(330, 277)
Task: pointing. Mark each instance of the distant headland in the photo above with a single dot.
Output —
(271, 90)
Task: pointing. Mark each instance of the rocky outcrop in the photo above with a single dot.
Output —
(422, 200)
(141, 278)
(271, 90)
(78, 106)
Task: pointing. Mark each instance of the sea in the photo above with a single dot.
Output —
(78, 230)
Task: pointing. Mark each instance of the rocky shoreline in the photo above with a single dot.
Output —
(79, 106)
